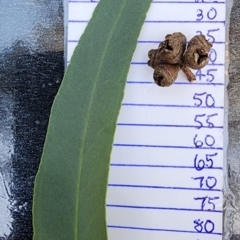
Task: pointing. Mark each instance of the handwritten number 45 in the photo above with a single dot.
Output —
(210, 75)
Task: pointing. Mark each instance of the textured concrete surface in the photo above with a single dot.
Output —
(233, 154)
(31, 69)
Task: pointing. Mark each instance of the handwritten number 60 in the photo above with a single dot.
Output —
(209, 141)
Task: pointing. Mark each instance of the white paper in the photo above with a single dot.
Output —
(158, 187)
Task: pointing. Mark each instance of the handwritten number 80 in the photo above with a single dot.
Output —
(201, 226)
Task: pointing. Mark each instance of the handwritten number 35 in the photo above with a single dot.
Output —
(211, 14)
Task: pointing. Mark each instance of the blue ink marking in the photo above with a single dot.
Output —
(151, 21)
(165, 105)
(161, 146)
(162, 187)
(162, 2)
(162, 208)
(163, 125)
(180, 83)
(161, 230)
(157, 166)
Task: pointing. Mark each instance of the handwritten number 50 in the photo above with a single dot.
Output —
(209, 100)
(211, 14)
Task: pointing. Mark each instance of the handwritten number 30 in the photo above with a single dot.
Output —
(211, 14)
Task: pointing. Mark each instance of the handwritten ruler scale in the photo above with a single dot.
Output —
(166, 175)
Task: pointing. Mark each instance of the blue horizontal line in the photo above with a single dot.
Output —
(151, 21)
(165, 105)
(75, 41)
(163, 208)
(180, 83)
(159, 166)
(145, 63)
(78, 21)
(161, 146)
(162, 187)
(141, 41)
(186, 2)
(161, 230)
(80, 1)
(163, 125)
(155, 21)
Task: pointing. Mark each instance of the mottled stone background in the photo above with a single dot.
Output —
(31, 68)
(233, 153)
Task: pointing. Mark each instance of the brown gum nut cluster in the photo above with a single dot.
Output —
(173, 55)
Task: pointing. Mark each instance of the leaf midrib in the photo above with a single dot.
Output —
(82, 144)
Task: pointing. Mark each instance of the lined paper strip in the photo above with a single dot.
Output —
(166, 175)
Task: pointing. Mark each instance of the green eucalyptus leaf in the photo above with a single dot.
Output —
(70, 186)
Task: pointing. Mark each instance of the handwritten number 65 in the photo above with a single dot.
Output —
(200, 164)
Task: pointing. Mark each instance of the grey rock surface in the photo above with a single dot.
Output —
(31, 68)
(233, 153)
